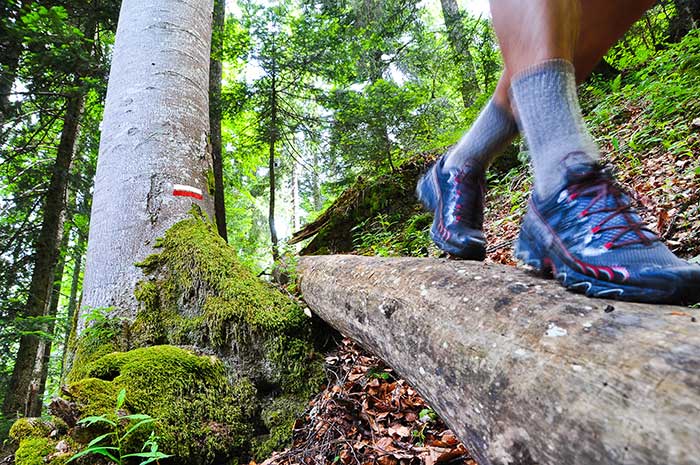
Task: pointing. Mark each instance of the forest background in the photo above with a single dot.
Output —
(318, 99)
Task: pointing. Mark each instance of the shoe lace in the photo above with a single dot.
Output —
(469, 203)
(599, 185)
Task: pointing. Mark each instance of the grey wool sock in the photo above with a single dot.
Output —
(488, 136)
(549, 116)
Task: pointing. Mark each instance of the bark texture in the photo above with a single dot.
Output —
(523, 371)
(215, 71)
(273, 130)
(154, 135)
(686, 18)
(20, 389)
(43, 358)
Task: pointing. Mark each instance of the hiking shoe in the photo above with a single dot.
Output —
(456, 198)
(592, 240)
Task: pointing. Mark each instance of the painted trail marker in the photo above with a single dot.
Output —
(181, 190)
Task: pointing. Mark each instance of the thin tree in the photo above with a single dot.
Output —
(41, 365)
(19, 393)
(273, 132)
(459, 40)
(215, 73)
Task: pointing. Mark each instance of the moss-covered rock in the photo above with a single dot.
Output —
(199, 294)
(200, 417)
(375, 216)
(33, 450)
(29, 427)
(279, 417)
(209, 408)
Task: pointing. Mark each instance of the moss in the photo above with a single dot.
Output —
(29, 427)
(99, 338)
(32, 451)
(196, 293)
(199, 416)
(211, 182)
(279, 418)
(201, 295)
(387, 196)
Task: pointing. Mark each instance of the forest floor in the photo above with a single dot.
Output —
(368, 415)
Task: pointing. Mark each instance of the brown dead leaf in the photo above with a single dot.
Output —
(387, 460)
(662, 220)
(399, 430)
(385, 444)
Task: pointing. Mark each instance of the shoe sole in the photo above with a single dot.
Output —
(474, 251)
(528, 251)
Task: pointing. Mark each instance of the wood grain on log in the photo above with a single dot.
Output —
(523, 371)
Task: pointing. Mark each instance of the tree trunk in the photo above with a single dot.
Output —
(43, 359)
(153, 159)
(271, 165)
(460, 45)
(73, 298)
(47, 251)
(215, 70)
(521, 370)
(316, 185)
(295, 196)
(687, 17)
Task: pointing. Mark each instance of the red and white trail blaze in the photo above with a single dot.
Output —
(181, 190)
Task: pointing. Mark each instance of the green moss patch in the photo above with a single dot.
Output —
(32, 451)
(199, 294)
(209, 408)
(200, 418)
(29, 427)
(379, 216)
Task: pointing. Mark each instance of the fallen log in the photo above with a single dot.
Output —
(521, 370)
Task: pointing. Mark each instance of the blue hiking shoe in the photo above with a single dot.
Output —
(456, 198)
(592, 240)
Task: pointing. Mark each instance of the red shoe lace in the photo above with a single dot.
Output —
(599, 183)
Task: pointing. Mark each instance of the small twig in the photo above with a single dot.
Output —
(500, 245)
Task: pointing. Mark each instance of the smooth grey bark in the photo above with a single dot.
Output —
(155, 135)
(17, 399)
(215, 72)
(460, 46)
(521, 370)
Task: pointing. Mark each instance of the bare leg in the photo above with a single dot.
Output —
(601, 24)
(578, 224)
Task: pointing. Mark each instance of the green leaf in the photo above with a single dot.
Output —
(98, 439)
(137, 426)
(91, 420)
(152, 456)
(95, 450)
(121, 398)
(136, 416)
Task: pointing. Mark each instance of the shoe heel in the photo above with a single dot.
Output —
(528, 251)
